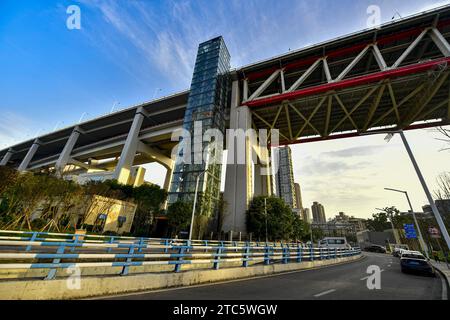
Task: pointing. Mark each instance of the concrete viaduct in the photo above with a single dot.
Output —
(394, 76)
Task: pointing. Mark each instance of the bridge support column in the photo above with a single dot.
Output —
(168, 179)
(167, 183)
(64, 157)
(30, 154)
(123, 169)
(6, 157)
(238, 183)
(262, 181)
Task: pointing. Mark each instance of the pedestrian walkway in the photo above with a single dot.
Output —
(444, 268)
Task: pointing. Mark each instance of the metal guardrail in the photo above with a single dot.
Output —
(49, 251)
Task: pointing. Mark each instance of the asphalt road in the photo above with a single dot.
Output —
(342, 282)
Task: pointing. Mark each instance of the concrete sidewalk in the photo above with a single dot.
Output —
(444, 270)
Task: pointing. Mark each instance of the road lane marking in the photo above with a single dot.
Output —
(324, 293)
(365, 278)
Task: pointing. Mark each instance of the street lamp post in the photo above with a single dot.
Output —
(422, 243)
(195, 203)
(421, 179)
(392, 225)
(265, 211)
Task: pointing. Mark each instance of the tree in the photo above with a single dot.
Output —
(179, 216)
(280, 219)
(443, 181)
(317, 234)
(149, 200)
(381, 220)
(445, 133)
(301, 229)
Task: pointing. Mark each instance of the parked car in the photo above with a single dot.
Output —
(398, 249)
(413, 261)
(375, 248)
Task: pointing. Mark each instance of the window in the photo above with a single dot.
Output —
(121, 221)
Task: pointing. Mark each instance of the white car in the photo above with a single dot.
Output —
(414, 261)
(334, 243)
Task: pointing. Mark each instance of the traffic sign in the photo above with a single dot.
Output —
(434, 233)
(410, 231)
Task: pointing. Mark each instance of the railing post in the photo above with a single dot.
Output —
(299, 253)
(206, 244)
(52, 273)
(246, 256)
(111, 241)
(32, 239)
(166, 245)
(179, 259)
(126, 268)
(286, 253)
(335, 253)
(267, 255)
(74, 242)
(217, 258)
(287, 257)
(311, 258)
(141, 243)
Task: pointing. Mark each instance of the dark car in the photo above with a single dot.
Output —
(375, 248)
(416, 263)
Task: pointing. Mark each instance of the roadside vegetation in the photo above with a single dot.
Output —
(282, 223)
(42, 202)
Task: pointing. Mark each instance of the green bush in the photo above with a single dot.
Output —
(282, 223)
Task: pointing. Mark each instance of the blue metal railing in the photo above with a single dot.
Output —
(68, 251)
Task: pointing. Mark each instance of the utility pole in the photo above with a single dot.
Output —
(435, 210)
(427, 191)
(421, 241)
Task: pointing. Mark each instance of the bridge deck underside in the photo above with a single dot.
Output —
(394, 103)
(396, 75)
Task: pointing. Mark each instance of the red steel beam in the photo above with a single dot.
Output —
(354, 82)
(357, 134)
(346, 51)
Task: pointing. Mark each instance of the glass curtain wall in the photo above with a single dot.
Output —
(206, 106)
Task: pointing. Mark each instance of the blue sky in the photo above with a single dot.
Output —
(129, 51)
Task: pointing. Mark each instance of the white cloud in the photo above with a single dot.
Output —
(434, 5)
(15, 128)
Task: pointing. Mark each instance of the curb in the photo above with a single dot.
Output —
(445, 282)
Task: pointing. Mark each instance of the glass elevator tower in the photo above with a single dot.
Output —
(207, 102)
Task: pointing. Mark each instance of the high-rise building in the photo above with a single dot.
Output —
(318, 213)
(298, 196)
(307, 215)
(284, 177)
(206, 107)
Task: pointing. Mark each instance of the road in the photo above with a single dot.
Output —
(341, 282)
